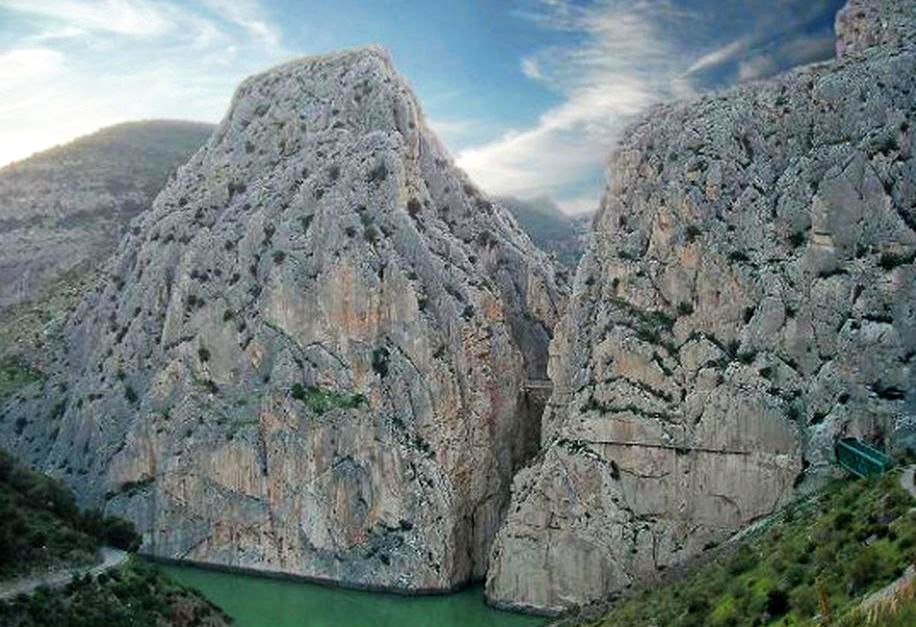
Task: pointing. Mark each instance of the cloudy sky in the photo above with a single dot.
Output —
(528, 94)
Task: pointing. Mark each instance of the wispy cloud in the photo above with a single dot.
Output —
(719, 56)
(249, 15)
(626, 55)
(622, 65)
(27, 64)
(124, 17)
(800, 50)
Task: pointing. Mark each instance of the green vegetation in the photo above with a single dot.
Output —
(14, 374)
(649, 325)
(134, 595)
(889, 261)
(819, 557)
(897, 611)
(41, 526)
(320, 400)
(24, 328)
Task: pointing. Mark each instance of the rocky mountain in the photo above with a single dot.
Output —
(750, 296)
(550, 229)
(68, 207)
(310, 356)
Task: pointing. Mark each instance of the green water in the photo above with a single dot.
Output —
(262, 602)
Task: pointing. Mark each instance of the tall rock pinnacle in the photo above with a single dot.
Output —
(310, 355)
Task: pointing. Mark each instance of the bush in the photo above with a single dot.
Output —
(380, 357)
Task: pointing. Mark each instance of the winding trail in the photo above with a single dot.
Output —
(111, 558)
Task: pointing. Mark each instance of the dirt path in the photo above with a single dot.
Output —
(111, 558)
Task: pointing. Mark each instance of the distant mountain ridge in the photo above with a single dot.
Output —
(71, 204)
(551, 230)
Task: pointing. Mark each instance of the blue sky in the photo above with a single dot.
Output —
(528, 94)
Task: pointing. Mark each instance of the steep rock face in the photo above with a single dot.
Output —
(750, 297)
(70, 205)
(862, 24)
(310, 355)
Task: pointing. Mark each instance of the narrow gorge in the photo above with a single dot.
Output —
(323, 352)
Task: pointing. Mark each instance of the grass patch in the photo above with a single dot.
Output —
(15, 374)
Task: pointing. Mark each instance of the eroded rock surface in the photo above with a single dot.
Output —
(310, 355)
(750, 296)
(69, 206)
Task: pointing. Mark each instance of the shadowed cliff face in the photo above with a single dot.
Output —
(310, 355)
(750, 297)
(69, 206)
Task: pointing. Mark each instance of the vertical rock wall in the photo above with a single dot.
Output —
(750, 297)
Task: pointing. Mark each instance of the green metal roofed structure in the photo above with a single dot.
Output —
(861, 459)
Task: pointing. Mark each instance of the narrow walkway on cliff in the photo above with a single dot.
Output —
(111, 558)
(861, 459)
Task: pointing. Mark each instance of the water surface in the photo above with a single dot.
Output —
(262, 602)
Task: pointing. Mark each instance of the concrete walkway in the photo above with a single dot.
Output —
(111, 558)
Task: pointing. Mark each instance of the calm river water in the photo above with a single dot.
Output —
(262, 602)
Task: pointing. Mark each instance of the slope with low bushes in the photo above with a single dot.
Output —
(42, 530)
(812, 565)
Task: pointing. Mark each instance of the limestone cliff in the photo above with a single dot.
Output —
(69, 206)
(310, 355)
(750, 296)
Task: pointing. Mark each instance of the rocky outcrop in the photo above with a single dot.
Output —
(310, 356)
(750, 296)
(863, 24)
(69, 206)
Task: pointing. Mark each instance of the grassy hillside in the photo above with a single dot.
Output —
(42, 529)
(819, 558)
(550, 229)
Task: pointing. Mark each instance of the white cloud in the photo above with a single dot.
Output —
(576, 205)
(247, 14)
(26, 64)
(719, 56)
(800, 50)
(531, 70)
(123, 17)
(79, 65)
(628, 55)
(623, 66)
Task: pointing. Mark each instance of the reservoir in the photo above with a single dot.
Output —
(264, 602)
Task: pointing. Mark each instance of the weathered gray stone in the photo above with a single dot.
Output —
(69, 206)
(750, 296)
(310, 355)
